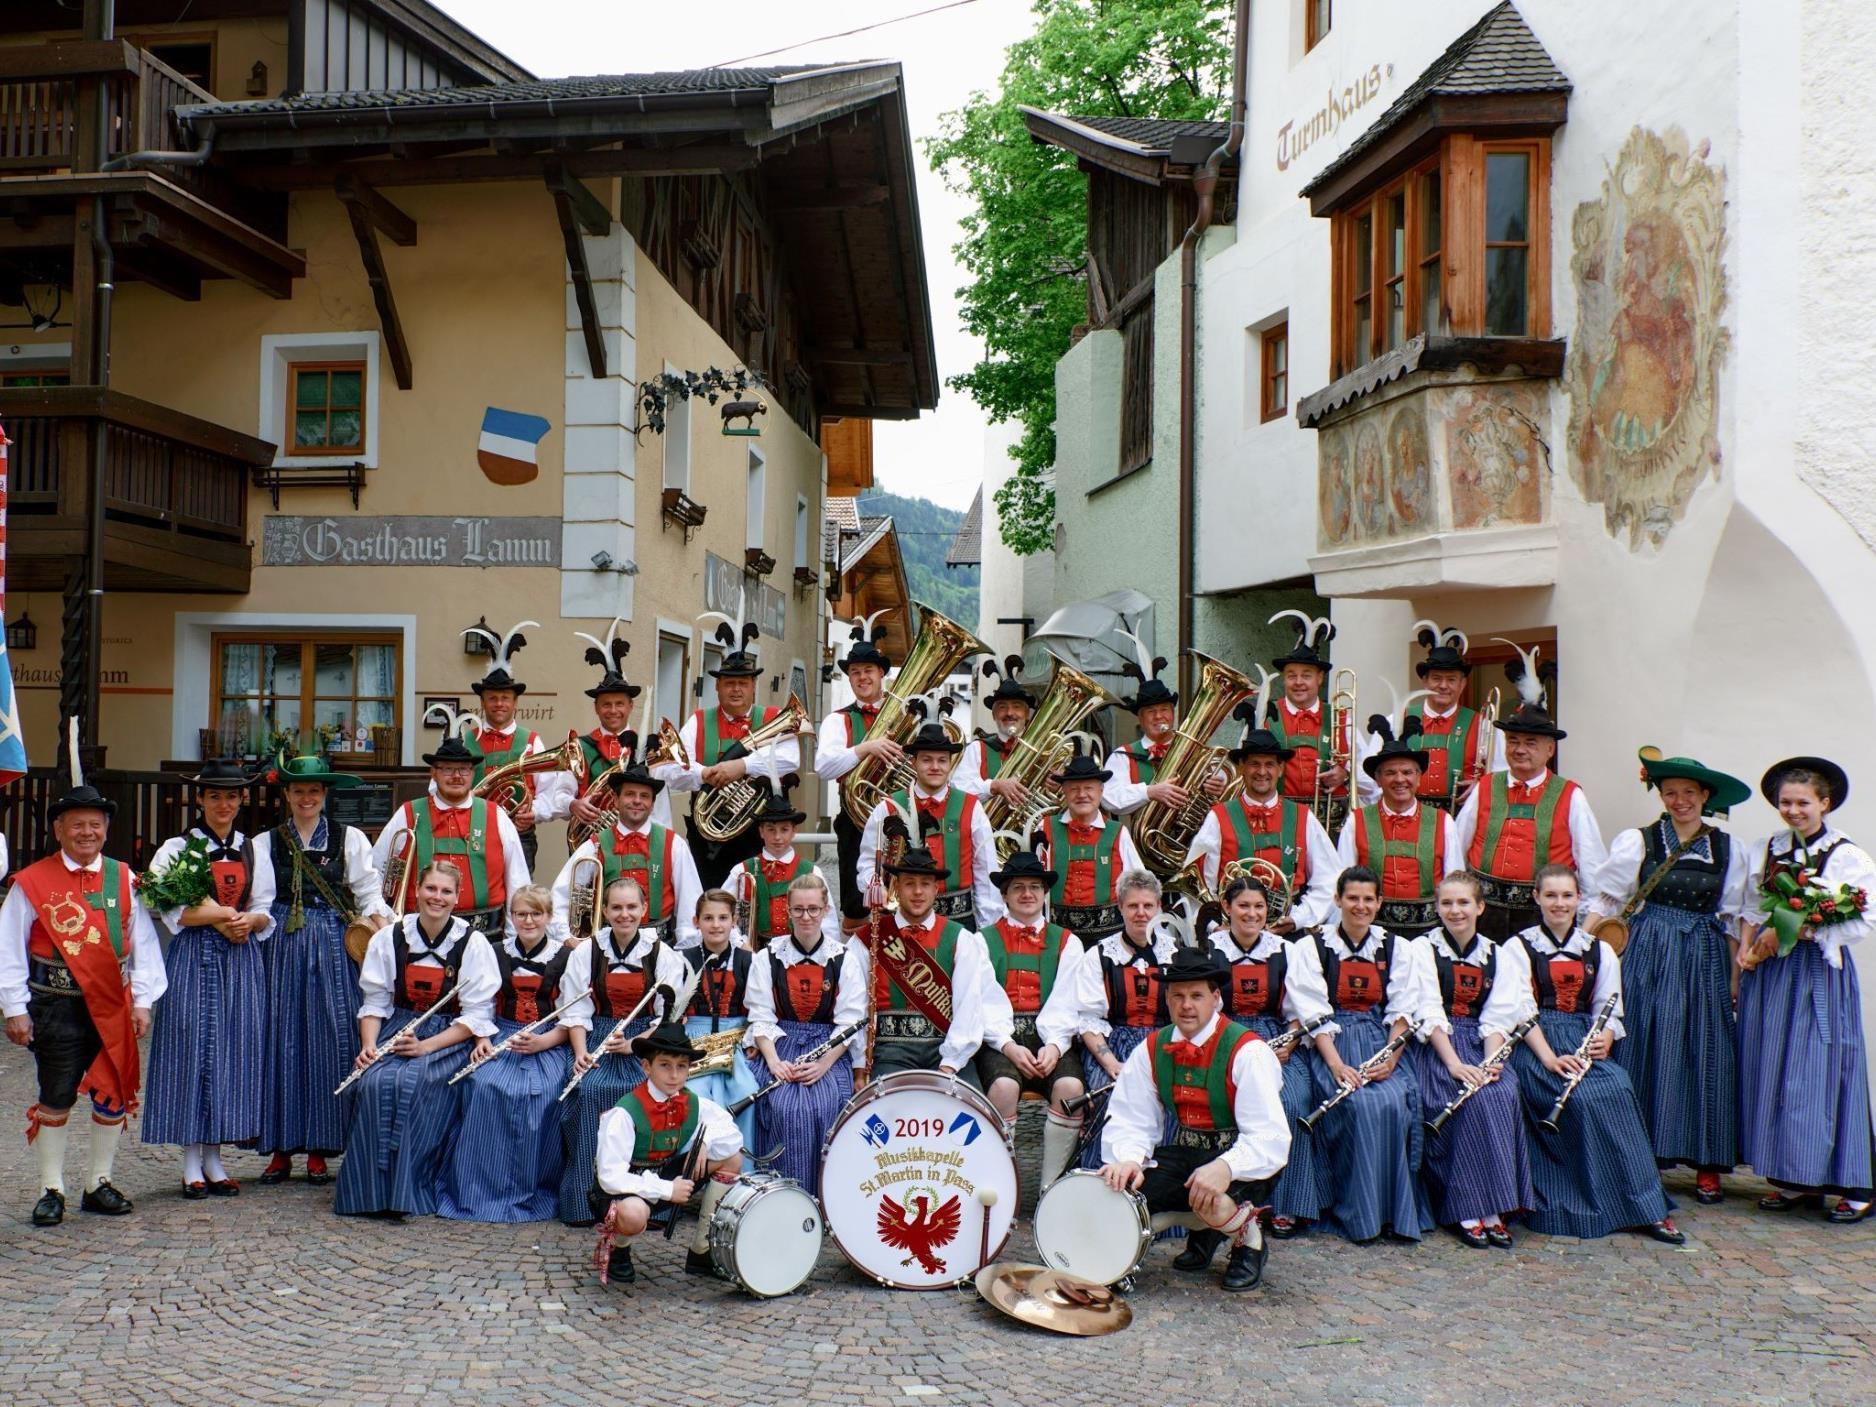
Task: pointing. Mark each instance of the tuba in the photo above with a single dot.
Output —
(725, 812)
(1041, 750)
(1164, 832)
(506, 785)
(941, 646)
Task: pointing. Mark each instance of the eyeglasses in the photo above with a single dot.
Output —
(807, 910)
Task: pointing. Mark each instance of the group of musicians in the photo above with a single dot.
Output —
(484, 1047)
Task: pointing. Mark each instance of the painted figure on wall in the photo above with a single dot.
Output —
(1409, 472)
(1644, 359)
(1496, 459)
(1333, 502)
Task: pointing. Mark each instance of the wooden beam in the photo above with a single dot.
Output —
(385, 217)
(67, 59)
(698, 160)
(840, 195)
(582, 281)
(857, 356)
(227, 256)
(587, 208)
(365, 231)
(150, 265)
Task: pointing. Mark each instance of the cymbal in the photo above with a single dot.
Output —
(1053, 1299)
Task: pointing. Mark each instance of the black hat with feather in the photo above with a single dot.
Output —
(1144, 669)
(1404, 746)
(736, 636)
(1313, 634)
(863, 648)
(608, 657)
(1010, 687)
(501, 673)
(1446, 648)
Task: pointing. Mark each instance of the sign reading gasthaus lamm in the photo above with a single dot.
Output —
(288, 541)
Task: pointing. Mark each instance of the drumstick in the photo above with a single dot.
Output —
(986, 1198)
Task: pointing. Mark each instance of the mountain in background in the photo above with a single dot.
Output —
(925, 531)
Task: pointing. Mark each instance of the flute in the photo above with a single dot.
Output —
(631, 1016)
(1549, 1123)
(504, 1047)
(1362, 1072)
(383, 1048)
(1492, 1064)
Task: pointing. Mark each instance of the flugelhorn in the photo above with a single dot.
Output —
(506, 785)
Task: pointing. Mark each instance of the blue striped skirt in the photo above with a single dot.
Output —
(404, 1115)
(311, 1034)
(730, 1085)
(1372, 1141)
(1597, 1174)
(1299, 1192)
(1680, 1051)
(204, 1083)
(1124, 1041)
(610, 1081)
(799, 1117)
(503, 1161)
(1803, 1075)
(1478, 1165)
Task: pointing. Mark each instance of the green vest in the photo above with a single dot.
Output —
(651, 1146)
(955, 833)
(1453, 744)
(650, 874)
(1043, 964)
(1214, 1077)
(1375, 850)
(713, 743)
(522, 739)
(1143, 764)
(474, 848)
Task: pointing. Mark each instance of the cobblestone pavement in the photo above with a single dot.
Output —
(269, 1298)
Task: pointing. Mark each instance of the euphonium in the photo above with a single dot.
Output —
(1041, 750)
(504, 785)
(1190, 880)
(1162, 831)
(941, 646)
(723, 813)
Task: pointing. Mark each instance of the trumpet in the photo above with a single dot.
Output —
(1363, 1072)
(1550, 1122)
(724, 812)
(583, 896)
(1492, 1064)
(507, 785)
(383, 1047)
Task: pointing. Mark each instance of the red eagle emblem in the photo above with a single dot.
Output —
(921, 1234)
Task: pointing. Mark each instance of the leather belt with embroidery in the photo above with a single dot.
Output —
(1024, 1031)
(484, 921)
(1397, 914)
(959, 903)
(1205, 1140)
(906, 1026)
(1095, 922)
(1507, 894)
(51, 979)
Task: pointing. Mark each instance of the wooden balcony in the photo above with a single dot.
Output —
(170, 226)
(175, 492)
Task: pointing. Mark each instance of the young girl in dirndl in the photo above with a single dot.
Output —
(719, 1006)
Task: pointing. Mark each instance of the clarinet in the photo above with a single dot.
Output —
(1367, 1067)
(1295, 1035)
(1492, 1064)
(1549, 1123)
(505, 1046)
(840, 1037)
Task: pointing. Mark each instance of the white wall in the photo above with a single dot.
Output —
(1000, 592)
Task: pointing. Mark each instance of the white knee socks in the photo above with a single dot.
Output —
(712, 1194)
(104, 1140)
(49, 1145)
(1059, 1133)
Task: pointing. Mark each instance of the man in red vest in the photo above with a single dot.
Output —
(473, 836)
(1088, 852)
(952, 824)
(1011, 704)
(1519, 820)
(1302, 721)
(1405, 839)
(500, 739)
(1134, 769)
(1259, 823)
(842, 745)
(1223, 1090)
(80, 968)
(635, 845)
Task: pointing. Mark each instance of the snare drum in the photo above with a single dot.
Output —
(765, 1235)
(1085, 1227)
(905, 1175)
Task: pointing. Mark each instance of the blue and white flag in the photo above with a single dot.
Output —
(508, 449)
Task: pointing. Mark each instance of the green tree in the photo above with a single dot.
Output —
(1025, 244)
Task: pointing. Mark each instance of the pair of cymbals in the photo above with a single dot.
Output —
(1053, 1299)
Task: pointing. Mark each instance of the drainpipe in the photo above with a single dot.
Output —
(142, 160)
(1205, 183)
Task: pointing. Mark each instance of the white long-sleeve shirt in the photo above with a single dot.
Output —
(1057, 1027)
(1313, 899)
(618, 1134)
(553, 791)
(479, 977)
(984, 896)
(1408, 975)
(1305, 992)
(1585, 835)
(1367, 789)
(834, 757)
(1136, 1117)
(787, 755)
(515, 872)
(1120, 793)
(972, 772)
(260, 878)
(849, 996)
(1848, 864)
(1449, 839)
(1090, 979)
(1608, 970)
(362, 876)
(576, 987)
(1511, 998)
(681, 878)
(1621, 873)
(975, 994)
(148, 977)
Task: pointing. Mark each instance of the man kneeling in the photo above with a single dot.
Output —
(1225, 1089)
(655, 1145)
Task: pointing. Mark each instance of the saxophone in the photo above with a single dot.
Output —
(723, 813)
(506, 785)
(1162, 831)
(942, 645)
(1041, 750)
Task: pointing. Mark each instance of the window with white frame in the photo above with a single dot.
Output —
(668, 697)
(319, 397)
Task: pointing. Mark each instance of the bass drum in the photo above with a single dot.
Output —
(765, 1236)
(917, 1183)
(1085, 1227)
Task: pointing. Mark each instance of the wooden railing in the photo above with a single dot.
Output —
(40, 114)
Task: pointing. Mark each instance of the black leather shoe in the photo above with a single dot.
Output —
(105, 1200)
(317, 1173)
(1846, 1215)
(1499, 1237)
(276, 1173)
(1664, 1231)
(699, 1263)
(1707, 1190)
(226, 1187)
(195, 1191)
(619, 1268)
(1201, 1246)
(1244, 1267)
(1779, 1202)
(1473, 1236)
(49, 1210)
(1282, 1228)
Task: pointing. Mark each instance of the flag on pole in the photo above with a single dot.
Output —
(12, 741)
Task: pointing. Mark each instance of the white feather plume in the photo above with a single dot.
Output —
(1261, 718)
(503, 647)
(452, 720)
(1530, 688)
(1442, 635)
(71, 752)
(1175, 926)
(603, 646)
(1310, 630)
(1140, 652)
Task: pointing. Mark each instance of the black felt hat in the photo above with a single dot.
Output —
(83, 797)
(1010, 687)
(1196, 964)
(777, 807)
(1313, 635)
(917, 860)
(1023, 865)
(501, 673)
(931, 737)
(224, 772)
(738, 662)
(1446, 649)
(1081, 768)
(1260, 742)
(1393, 747)
(608, 657)
(668, 1039)
(635, 773)
(1834, 776)
(452, 750)
(1531, 718)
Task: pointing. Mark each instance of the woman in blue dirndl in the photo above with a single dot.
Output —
(1677, 968)
(1596, 1174)
(324, 878)
(404, 1112)
(204, 1083)
(1803, 1072)
(504, 1159)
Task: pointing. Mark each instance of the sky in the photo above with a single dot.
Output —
(947, 56)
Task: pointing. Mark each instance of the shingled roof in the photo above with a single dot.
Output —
(967, 545)
(1497, 55)
(1152, 149)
